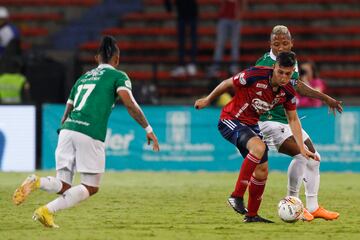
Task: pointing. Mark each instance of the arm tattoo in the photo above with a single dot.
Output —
(137, 114)
(308, 91)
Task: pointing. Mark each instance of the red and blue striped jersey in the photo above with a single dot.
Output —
(254, 96)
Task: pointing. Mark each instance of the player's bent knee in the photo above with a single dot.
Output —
(257, 149)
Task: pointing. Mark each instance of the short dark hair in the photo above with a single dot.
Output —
(107, 48)
(286, 59)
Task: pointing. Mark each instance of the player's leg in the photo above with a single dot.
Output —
(89, 186)
(90, 162)
(308, 170)
(90, 183)
(279, 135)
(65, 164)
(297, 166)
(312, 184)
(60, 184)
(252, 158)
(256, 190)
(239, 135)
(311, 180)
(256, 149)
(64, 155)
(65, 168)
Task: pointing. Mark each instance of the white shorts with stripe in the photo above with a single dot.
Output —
(78, 152)
(275, 133)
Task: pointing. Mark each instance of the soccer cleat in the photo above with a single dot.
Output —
(257, 218)
(325, 214)
(30, 184)
(237, 204)
(308, 217)
(45, 217)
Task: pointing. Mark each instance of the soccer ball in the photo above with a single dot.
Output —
(290, 209)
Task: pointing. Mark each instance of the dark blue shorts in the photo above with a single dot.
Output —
(239, 134)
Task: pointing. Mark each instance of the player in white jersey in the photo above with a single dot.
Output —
(81, 140)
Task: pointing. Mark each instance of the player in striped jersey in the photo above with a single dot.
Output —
(257, 90)
(274, 125)
(81, 144)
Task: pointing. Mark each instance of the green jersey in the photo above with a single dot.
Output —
(93, 97)
(277, 114)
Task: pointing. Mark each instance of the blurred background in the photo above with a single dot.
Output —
(169, 50)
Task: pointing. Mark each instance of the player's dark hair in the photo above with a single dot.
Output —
(108, 48)
(286, 59)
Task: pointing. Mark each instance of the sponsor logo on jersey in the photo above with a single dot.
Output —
(261, 106)
(280, 94)
(93, 75)
(261, 85)
(242, 109)
(240, 78)
(259, 93)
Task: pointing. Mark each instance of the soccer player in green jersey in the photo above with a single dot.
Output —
(81, 144)
(276, 130)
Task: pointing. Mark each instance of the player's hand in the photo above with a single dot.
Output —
(152, 137)
(308, 154)
(201, 103)
(334, 105)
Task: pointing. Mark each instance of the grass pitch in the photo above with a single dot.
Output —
(171, 205)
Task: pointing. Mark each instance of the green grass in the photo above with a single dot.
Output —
(169, 205)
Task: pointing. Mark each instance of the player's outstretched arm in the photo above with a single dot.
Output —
(223, 87)
(136, 113)
(306, 90)
(296, 130)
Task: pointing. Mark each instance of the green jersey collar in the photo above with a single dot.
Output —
(105, 65)
(272, 55)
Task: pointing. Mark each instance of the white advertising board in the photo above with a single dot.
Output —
(17, 138)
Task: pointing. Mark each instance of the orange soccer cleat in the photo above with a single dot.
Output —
(325, 214)
(307, 216)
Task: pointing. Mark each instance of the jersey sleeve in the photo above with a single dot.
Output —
(72, 94)
(239, 80)
(290, 103)
(123, 82)
(250, 75)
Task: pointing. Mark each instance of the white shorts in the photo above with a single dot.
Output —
(275, 133)
(78, 152)
(89, 179)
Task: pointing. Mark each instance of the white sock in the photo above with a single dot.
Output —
(312, 183)
(69, 198)
(295, 174)
(50, 184)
